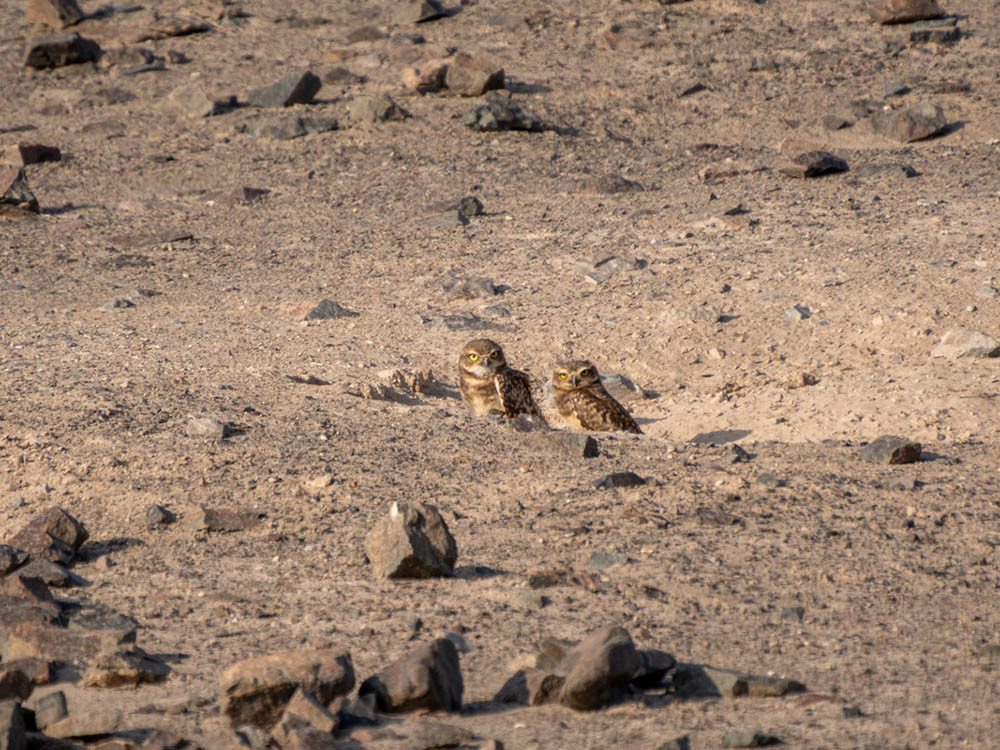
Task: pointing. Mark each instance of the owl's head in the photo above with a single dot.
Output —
(481, 357)
(577, 373)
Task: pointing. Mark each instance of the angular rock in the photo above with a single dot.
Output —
(416, 11)
(50, 708)
(52, 535)
(531, 687)
(599, 669)
(379, 108)
(327, 309)
(941, 35)
(129, 667)
(307, 708)
(71, 645)
(907, 125)
(797, 312)
(473, 74)
(575, 444)
(256, 691)
(118, 304)
(157, 517)
(206, 427)
(14, 613)
(748, 738)
(11, 558)
(425, 734)
(20, 586)
(200, 518)
(87, 725)
(56, 50)
(891, 449)
(38, 671)
(56, 14)
(964, 342)
(14, 684)
(14, 190)
(904, 11)
(191, 99)
(295, 88)
(22, 154)
(618, 479)
(814, 164)
(293, 732)
(367, 33)
(428, 677)
(478, 287)
(412, 541)
(703, 681)
(425, 77)
(12, 726)
(295, 127)
(498, 114)
(51, 574)
(653, 667)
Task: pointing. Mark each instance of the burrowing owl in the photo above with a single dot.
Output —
(489, 385)
(582, 401)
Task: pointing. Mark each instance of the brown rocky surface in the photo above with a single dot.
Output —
(795, 317)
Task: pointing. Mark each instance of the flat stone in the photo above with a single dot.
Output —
(366, 33)
(124, 667)
(327, 309)
(598, 669)
(428, 677)
(945, 35)
(56, 14)
(904, 11)
(20, 586)
(11, 558)
(256, 691)
(206, 427)
(912, 124)
(52, 535)
(473, 74)
(377, 108)
(498, 114)
(959, 342)
(50, 708)
(38, 671)
(56, 50)
(618, 479)
(604, 559)
(412, 541)
(885, 170)
(891, 449)
(467, 321)
(190, 99)
(201, 518)
(477, 287)
(295, 88)
(307, 708)
(295, 127)
(22, 154)
(704, 681)
(835, 122)
(610, 183)
(814, 164)
(14, 613)
(14, 190)
(74, 645)
(416, 11)
(427, 734)
(574, 444)
(87, 725)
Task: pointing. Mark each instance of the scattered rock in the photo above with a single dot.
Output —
(256, 691)
(797, 312)
(944, 34)
(416, 11)
(677, 743)
(412, 541)
(895, 88)
(51, 535)
(295, 127)
(191, 99)
(573, 444)
(618, 479)
(14, 190)
(378, 108)
(622, 389)
(56, 50)
(310, 710)
(885, 170)
(479, 287)
(814, 164)
(598, 669)
(92, 724)
(425, 734)
(904, 11)
(690, 89)
(793, 614)
(327, 309)
(703, 681)
(22, 154)
(11, 558)
(366, 33)
(56, 14)
(960, 342)
(200, 518)
(467, 321)
(503, 114)
(14, 683)
(988, 292)
(744, 738)
(295, 88)
(835, 122)
(206, 427)
(118, 304)
(891, 449)
(609, 183)
(343, 76)
(531, 687)
(425, 77)
(157, 517)
(128, 667)
(473, 74)
(653, 667)
(736, 454)
(907, 125)
(50, 708)
(428, 677)
(602, 559)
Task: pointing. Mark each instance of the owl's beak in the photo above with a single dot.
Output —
(574, 379)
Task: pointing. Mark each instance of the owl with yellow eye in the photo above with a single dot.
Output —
(490, 386)
(582, 401)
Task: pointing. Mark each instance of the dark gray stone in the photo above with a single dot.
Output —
(157, 517)
(429, 677)
(895, 88)
(573, 444)
(295, 127)
(891, 449)
(704, 681)
(498, 113)
(11, 558)
(14, 190)
(416, 11)
(378, 108)
(814, 164)
(56, 50)
(653, 667)
(52, 535)
(746, 738)
(327, 309)
(296, 88)
(907, 125)
(598, 670)
(618, 479)
(466, 321)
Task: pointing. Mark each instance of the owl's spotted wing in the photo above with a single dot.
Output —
(598, 410)
(515, 393)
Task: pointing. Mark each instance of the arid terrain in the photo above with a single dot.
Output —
(651, 227)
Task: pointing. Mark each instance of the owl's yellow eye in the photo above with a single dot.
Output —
(585, 373)
(562, 376)
(473, 357)
(494, 355)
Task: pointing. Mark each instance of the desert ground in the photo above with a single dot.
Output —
(651, 227)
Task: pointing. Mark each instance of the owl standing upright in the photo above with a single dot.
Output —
(582, 401)
(490, 386)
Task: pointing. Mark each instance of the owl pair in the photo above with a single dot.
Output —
(490, 386)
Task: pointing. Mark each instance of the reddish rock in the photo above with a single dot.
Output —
(53, 535)
(473, 74)
(905, 11)
(412, 541)
(599, 669)
(428, 677)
